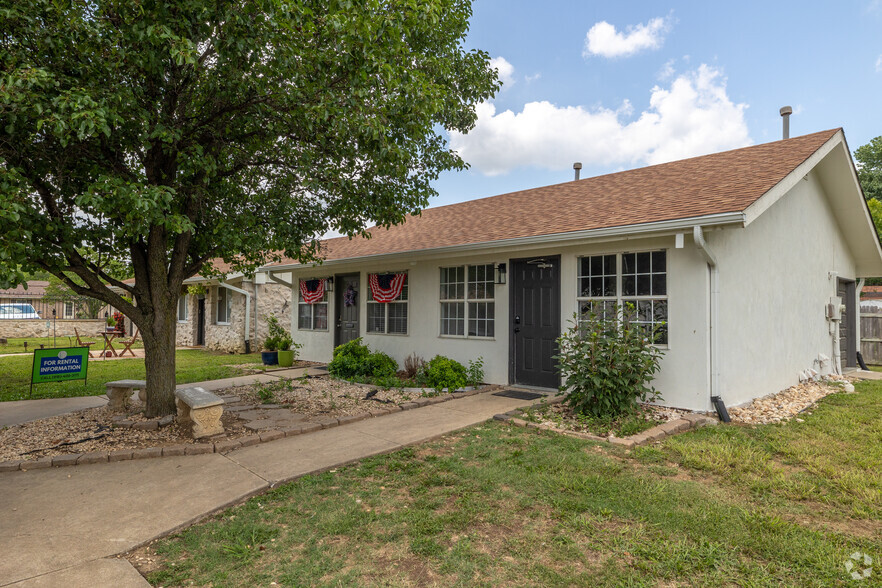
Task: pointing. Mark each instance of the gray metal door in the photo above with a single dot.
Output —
(845, 289)
(535, 321)
(347, 304)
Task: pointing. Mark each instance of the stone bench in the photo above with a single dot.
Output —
(120, 391)
(201, 408)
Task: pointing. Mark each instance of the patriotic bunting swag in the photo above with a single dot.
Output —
(386, 287)
(312, 290)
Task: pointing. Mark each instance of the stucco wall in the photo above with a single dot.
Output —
(774, 285)
(683, 378)
(37, 328)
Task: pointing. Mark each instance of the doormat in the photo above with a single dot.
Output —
(519, 394)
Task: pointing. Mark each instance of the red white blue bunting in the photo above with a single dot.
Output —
(312, 290)
(386, 287)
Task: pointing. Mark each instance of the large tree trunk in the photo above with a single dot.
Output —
(159, 348)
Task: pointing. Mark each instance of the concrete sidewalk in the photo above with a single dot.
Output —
(17, 412)
(62, 525)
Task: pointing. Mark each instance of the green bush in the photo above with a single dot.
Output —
(607, 367)
(379, 365)
(355, 360)
(475, 372)
(348, 359)
(278, 337)
(442, 372)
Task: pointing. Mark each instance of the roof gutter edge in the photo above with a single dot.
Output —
(675, 225)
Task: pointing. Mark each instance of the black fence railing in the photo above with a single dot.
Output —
(68, 307)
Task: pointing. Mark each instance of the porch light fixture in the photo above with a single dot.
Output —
(500, 273)
(329, 284)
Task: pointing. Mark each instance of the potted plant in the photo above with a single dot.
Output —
(111, 324)
(278, 345)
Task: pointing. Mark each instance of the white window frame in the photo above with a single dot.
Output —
(227, 295)
(185, 298)
(620, 299)
(312, 315)
(404, 299)
(73, 310)
(466, 301)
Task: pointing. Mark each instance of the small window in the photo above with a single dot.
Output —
(183, 311)
(467, 301)
(224, 306)
(68, 310)
(388, 317)
(312, 317)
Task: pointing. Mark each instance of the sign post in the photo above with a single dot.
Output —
(60, 364)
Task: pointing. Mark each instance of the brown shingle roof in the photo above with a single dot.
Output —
(711, 184)
(36, 289)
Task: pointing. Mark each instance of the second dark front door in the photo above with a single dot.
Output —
(200, 322)
(535, 321)
(346, 305)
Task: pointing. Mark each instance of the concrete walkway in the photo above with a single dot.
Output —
(22, 411)
(63, 525)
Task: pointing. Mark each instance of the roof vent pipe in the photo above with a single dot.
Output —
(786, 111)
(578, 167)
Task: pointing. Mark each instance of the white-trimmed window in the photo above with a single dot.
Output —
(183, 310)
(467, 297)
(312, 317)
(638, 279)
(389, 318)
(68, 310)
(224, 306)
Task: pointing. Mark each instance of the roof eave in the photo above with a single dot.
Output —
(639, 230)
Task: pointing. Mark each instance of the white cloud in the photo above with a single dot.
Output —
(533, 77)
(505, 69)
(694, 116)
(879, 64)
(603, 39)
(667, 70)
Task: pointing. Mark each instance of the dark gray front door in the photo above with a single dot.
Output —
(535, 321)
(200, 322)
(845, 289)
(347, 303)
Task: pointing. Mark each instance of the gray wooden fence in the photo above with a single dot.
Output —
(871, 335)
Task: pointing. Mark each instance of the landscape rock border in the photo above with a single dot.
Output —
(228, 445)
(657, 433)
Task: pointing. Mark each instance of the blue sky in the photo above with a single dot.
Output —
(619, 85)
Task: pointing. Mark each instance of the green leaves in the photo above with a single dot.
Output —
(869, 159)
(607, 365)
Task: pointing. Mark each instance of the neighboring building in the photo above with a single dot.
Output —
(65, 313)
(750, 258)
(230, 315)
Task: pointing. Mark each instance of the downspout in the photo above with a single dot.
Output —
(256, 307)
(714, 281)
(247, 312)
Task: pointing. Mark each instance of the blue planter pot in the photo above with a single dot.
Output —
(269, 357)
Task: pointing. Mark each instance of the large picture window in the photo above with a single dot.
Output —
(312, 317)
(388, 317)
(224, 306)
(468, 307)
(637, 279)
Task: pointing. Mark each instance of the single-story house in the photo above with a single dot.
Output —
(230, 314)
(751, 259)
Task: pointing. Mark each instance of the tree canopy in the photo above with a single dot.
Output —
(165, 134)
(869, 159)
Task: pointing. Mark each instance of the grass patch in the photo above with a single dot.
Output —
(500, 505)
(17, 345)
(191, 365)
(833, 458)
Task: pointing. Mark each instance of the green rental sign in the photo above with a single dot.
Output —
(60, 364)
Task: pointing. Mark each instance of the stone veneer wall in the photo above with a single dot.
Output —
(271, 299)
(34, 328)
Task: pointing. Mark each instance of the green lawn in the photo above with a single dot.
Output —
(772, 505)
(192, 365)
(16, 345)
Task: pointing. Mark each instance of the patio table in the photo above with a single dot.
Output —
(109, 336)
